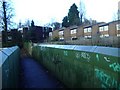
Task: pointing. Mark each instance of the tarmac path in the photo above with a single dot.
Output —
(34, 75)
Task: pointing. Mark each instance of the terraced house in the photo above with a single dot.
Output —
(100, 30)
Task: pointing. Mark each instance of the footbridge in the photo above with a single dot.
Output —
(60, 66)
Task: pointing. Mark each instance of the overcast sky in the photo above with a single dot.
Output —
(45, 11)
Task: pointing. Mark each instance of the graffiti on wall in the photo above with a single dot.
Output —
(65, 53)
(97, 57)
(107, 59)
(42, 48)
(107, 81)
(77, 55)
(85, 56)
(115, 67)
(56, 58)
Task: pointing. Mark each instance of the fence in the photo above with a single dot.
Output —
(9, 66)
(111, 41)
(81, 66)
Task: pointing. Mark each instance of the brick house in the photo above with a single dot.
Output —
(100, 30)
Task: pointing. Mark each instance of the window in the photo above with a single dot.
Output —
(9, 37)
(85, 36)
(88, 36)
(105, 28)
(101, 36)
(73, 38)
(118, 35)
(21, 31)
(60, 32)
(50, 34)
(106, 35)
(61, 38)
(89, 29)
(74, 31)
(85, 30)
(118, 26)
(100, 28)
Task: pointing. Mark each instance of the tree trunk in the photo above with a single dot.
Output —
(5, 20)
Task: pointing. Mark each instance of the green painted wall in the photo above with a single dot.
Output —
(10, 67)
(83, 67)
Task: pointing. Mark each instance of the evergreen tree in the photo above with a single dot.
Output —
(65, 22)
(32, 23)
(73, 15)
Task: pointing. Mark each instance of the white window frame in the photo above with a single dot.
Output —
(85, 30)
(118, 35)
(73, 31)
(73, 37)
(85, 36)
(106, 35)
(106, 28)
(61, 38)
(118, 26)
(61, 32)
(89, 29)
(102, 36)
(101, 28)
(50, 34)
(89, 36)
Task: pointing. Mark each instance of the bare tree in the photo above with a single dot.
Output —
(6, 15)
(82, 11)
(51, 23)
(27, 23)
(115, 16)
(118, 10)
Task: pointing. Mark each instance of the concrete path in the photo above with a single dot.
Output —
(33, 75)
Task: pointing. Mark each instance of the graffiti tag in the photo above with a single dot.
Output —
(97, 57)
(115, 67)
(56, 59)
(106, 79)
(77, 55)
(65, 53)
(107, 59)
(85, 56)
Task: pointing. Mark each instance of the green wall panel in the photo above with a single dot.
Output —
(10, 67)
(81, 67)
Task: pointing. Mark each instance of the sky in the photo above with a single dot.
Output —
(46, 11)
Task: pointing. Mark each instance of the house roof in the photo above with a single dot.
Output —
(61, 28)
(73, 27)
(99, 23)
(103, 24)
